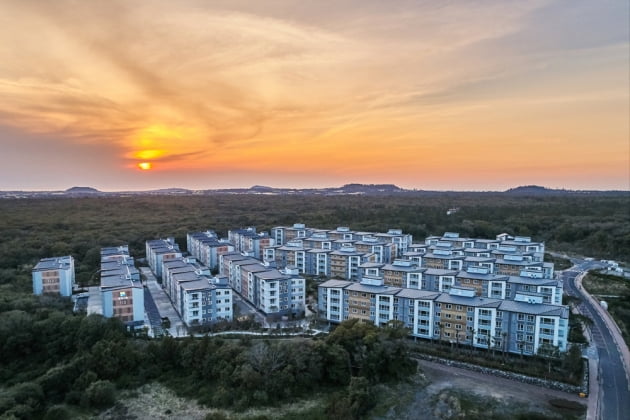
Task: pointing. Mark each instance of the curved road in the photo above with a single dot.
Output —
(614, 386)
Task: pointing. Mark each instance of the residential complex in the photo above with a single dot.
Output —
(487, 293)
(122, 294)
(54, 276)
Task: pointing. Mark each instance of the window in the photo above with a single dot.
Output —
(521, 317)
(530, 318)
(458, 307)
(447, 316)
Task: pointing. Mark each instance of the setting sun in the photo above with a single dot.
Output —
(145, 166)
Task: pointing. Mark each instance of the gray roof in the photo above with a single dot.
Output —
(372, 265)
(201, 283)
(336, 283)
(417, 294)
(440, 272)
(366, 288)
(534, 308)
(188, 276)
(55, 263)
(318, 250)
(254, 268)
(234, 256)
(479, 276)
(408, 269)
(476, 301)
(348, 253)
(271, 274)
(117, 281)
(533, 282)
(527, 263)
(470, 258)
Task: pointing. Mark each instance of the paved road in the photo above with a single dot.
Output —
(164, 305)
(614, 386)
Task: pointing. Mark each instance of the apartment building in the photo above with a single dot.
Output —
(204, 300)
(398, 273)
(207, 247)
(284, 234)
(194, 240)
(122, 293)
(317, 262)
(382, 250)
(160, 250)
(172, 268)
(292, 253)
(197, 296)
(269, 289)
(248, 241)
(54, 275)
(522, 325)
(400, 240)
(345, 262)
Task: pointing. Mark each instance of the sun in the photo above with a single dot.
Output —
(145, 166)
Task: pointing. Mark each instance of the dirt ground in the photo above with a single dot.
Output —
(454, 393)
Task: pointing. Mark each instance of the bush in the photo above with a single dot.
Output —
(99, 394)
(57, 412)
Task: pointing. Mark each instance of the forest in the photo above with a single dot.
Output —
(54, 364)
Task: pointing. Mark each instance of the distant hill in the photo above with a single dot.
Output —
(370, 188)
(347, 189)
(171, 191)
(82, 190)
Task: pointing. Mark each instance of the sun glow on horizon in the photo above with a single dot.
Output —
(145, 166)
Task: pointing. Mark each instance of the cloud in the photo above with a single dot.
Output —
(265, 84)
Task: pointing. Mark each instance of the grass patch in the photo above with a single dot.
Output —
(606, 284)
(602, 286)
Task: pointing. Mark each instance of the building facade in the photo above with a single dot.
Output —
(122, 293)
(54, 276)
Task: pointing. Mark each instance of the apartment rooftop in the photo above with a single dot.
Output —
(59, 263)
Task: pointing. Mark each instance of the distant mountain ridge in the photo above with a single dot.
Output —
(347, 189)
(82, 190)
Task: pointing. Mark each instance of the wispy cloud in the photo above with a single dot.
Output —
(232, 84)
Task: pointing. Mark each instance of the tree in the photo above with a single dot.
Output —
(99, 394)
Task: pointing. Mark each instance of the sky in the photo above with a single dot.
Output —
(202, 94)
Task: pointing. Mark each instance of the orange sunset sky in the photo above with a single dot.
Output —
(458, 95)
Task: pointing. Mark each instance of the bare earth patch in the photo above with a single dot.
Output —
(454, 393)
